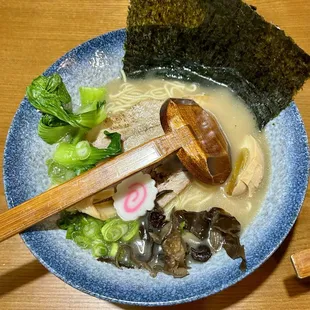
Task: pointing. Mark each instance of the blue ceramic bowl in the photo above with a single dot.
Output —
(94, 63)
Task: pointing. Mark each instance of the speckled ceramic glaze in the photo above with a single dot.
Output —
(94, 63)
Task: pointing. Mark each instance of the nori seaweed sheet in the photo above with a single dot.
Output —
(225, 40)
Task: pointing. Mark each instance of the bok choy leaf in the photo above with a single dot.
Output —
(90, 95)
(49, 95)
(69, 155)
(93, 115)
(51, 129)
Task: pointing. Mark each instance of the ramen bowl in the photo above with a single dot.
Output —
(95, 63)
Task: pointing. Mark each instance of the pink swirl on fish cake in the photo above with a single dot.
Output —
(135, 198)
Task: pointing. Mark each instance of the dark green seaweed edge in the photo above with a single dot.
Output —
(263, 65)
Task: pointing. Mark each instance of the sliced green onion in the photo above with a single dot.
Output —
(79, 224)
(67, 219)
(99, 248)
(83, 149)
(91, 230)
(64, 222)
(99, 222)
(75, 233)
(114, 230)
(82, 241)
(113, 250)
(83, 220)
(103, 238)
(114, 233)
(132, 231)
(58, 173)
(70, 230)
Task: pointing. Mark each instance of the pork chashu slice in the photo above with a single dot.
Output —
(138, 125)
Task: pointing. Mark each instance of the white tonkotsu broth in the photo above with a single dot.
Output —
(235, 119)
